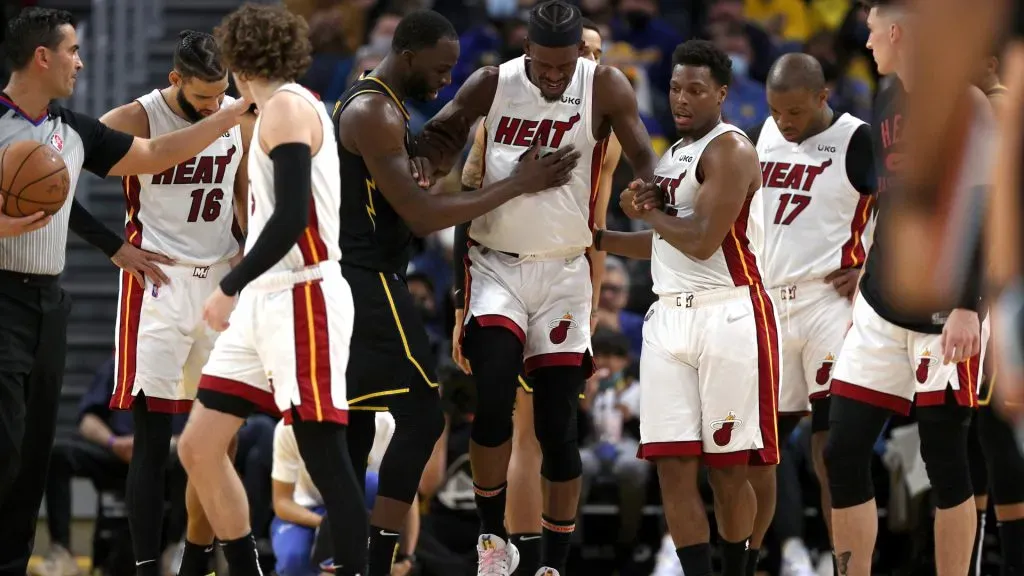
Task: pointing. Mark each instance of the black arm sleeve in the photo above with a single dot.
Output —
(93, 231)
(860, 161)
(104, 147)
(460, 251)
(292, 165)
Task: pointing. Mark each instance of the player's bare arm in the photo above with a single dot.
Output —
(241, 188)
(731, 172)
(444, 137)
(130, 118)
(616, 102)
(290, 134)
(372, 127)
(153, 156)
(612, 155)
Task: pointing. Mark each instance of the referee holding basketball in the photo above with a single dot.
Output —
(42, 49)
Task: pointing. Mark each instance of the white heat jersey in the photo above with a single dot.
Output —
(814, 218)
(737, 261)
(553, 220)
(319, 242)
(186, 212)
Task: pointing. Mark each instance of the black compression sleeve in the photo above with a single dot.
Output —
(860, 161)
(92, 230)
(461, 252)
(292, 191)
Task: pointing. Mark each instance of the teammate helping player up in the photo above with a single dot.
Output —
(709, 368)
(186, 214)
(817, 170)
(383, 207)
(285, 346)
(528, 289)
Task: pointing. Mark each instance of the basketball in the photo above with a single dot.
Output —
(33, 178)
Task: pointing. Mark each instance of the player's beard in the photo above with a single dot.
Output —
(191, 114)
(418, 88)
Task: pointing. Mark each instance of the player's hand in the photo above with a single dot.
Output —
(218, 309)
(142, 264)
(629, 206)
(538, 172)
(422, 171)
(844, 281)
(123, 446)
(961, 336)
(648, 196)
(401, 568)
(10, 226)
(239, 107)
(460, 360)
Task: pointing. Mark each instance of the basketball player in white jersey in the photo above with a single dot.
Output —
(285, 345)
(818, 176)
(710, 364)
(185, 213)
(528, 290)
(523, 507)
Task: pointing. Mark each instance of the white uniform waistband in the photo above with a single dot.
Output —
(285, 279)
(801, 290)
(704, 297)
(179, 270)
(570, 252)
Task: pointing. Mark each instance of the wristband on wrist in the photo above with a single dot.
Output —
(598, 234)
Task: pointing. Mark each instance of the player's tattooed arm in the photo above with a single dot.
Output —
(372, 127)
(473, 170)
(731, 172)
(444, 137)
(241, 188)
(616, 100)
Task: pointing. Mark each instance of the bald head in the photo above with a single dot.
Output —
(796, 71)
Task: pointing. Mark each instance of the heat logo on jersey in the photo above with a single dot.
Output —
(208, 170)
(825, 370)
(723, 428)
(560, 328)
(791, 176)
(522, 132)
(924, 363)
(668, 189)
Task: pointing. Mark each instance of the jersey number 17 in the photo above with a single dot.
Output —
(794, 204)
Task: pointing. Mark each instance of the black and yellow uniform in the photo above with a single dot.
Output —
(390, 353)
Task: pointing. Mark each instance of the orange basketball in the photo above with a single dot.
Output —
(33, 178)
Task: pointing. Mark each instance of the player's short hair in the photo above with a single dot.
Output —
(796, 71)
(704, 53)
(421, 29)
(608, 342)
(589, 24)
(32, 28)
(555, 23)
(197, 55)
(265, 41)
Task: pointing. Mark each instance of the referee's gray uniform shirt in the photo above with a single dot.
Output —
(83, 142)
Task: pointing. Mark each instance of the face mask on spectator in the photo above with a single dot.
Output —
(380, 43)
(499, 9)
(740, 64)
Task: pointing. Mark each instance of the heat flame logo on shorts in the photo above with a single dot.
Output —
(924, 363)
(723, 429)
(821, 377)
(560, 328)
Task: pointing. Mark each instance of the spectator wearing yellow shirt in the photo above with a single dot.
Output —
(784, 19)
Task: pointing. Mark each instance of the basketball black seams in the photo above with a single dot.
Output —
(23, 162)
(25, 187)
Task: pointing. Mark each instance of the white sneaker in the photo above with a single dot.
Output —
(547, 572)
(496, 557)
(825, 567)
(668, 562)
(796, 560)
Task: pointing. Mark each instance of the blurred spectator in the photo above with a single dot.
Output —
(847, 93)
(652, 38)
(785, 20)
(612, 400)
(746, 104)
(100, 451)
(723, 13)
(611, 312)
(253, 460)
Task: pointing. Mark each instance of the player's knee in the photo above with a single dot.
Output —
(944, 451)
(561, 461)
(490, 430)
(847, 459)
(728, 480)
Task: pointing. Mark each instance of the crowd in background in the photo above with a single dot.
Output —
(351, 36)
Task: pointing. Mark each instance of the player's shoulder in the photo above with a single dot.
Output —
(131, 118)
(730, 146)
(482, 84)
(369, 107)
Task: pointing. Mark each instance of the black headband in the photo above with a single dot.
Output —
(571, 35)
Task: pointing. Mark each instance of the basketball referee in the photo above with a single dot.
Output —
(42, 49)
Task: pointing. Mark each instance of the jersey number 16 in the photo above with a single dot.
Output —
(204, 205)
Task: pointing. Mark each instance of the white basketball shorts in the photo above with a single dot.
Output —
(888, 366)
(287, 345)
(162, 341)
(709, 375)
(545, 302)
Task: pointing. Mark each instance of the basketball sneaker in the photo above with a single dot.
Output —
(547, 572)
(495, 556)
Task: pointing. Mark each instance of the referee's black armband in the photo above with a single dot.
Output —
(460, 252)
(81, 222)
(292, 191)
